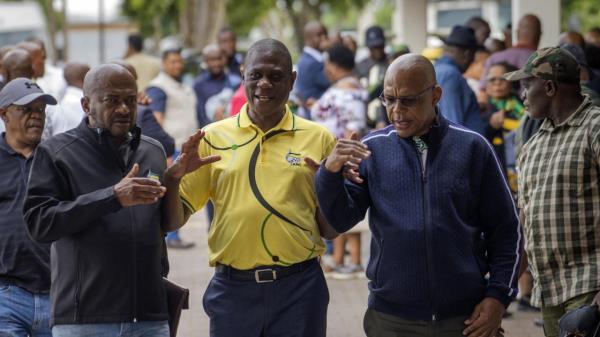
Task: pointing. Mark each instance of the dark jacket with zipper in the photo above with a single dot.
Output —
(106, 259)
(437, 227)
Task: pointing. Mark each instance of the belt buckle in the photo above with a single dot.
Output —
(269, 273)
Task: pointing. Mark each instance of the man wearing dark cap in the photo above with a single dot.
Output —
(371, 71)
(461, 106)
(95, 193)
(559, 186)
(24, 264)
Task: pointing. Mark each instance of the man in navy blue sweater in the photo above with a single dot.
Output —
(446, 240)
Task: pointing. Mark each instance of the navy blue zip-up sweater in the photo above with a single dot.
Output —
(436, 230)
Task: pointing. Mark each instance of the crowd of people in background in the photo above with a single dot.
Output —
(351, 98)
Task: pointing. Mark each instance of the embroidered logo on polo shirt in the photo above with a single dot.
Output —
(293, 158)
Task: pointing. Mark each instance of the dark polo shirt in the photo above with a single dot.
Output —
(23, 262)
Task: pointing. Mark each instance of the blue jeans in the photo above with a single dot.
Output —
(130, 329)
(23, 313)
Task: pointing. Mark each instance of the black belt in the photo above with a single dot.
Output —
(264, 273)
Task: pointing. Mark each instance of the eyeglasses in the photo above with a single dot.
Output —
(405, 101)
(25, 109)
(496, 79)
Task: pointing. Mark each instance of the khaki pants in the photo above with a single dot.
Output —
(378, 324)
(552, 314)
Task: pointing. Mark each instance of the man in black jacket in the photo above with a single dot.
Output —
(95, 192)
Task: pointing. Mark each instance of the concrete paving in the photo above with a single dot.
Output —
(347, 298)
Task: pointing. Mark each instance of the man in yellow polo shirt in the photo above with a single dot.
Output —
(264, 238)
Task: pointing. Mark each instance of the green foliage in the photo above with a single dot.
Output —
(588, 12)
(144, 13)
(242, 16)
(384, 14)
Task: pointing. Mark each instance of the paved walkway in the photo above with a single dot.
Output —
(347, 298)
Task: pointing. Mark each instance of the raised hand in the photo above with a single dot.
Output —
(189, 160)
(133, 190)
(347, 153)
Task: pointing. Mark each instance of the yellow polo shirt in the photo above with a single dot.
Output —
(262, 190)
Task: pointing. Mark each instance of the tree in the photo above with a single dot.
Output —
(243, 15)
(156, 18)
(586, 12)
(200, 21)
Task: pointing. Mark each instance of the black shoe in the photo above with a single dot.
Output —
(179, 244)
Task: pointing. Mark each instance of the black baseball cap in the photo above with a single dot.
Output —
(22, 91)
(375, 37)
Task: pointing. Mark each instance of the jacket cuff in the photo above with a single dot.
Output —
(328, 176)
(499, 295)
(112, 202)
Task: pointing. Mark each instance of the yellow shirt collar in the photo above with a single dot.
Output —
(288, 122)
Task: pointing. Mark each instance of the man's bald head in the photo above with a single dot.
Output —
(105, 75)
(572, 37)
(270, 47)
(211, 50)
(38, 57)
(17, 63)
(415, 67)
(529, 30)
(5, 49)
(410, 94)
(127, 66)
(315, 35)
(110, 99)
(74, 74)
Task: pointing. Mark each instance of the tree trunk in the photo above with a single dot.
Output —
(299, 19)
(157, 33)
(208, 17)
(51, 15)
(186, 22)
(65, 32)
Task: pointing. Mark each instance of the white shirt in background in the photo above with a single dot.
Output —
(72, 112)
(53, 82)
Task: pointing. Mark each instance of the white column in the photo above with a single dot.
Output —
(549, 13)
(409, 24)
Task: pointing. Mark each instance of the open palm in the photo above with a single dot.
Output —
(189, 160)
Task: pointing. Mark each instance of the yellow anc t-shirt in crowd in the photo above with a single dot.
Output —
(262, 190)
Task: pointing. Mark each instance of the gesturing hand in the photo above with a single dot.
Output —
(132, 190)
(347, 152)
(189, 160)
(485, 319)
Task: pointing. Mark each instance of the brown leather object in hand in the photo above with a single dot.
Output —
(177, 300)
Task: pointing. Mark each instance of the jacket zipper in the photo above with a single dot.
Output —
(134, 285)
(77, 289)
(423, 165)
(378, 266)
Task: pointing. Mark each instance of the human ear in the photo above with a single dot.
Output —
(437, 94)
(85, 104)
(551, 88)
(3, 115)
